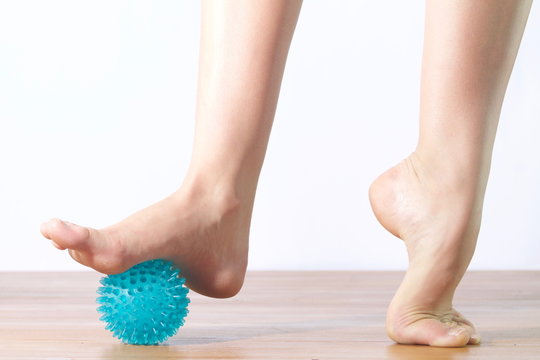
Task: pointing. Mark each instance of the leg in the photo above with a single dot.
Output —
(204, 226)
(433, 199)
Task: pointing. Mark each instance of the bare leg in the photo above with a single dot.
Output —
(204, 226)
(433, 199)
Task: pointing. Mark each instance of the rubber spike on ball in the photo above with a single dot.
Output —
(146, 304)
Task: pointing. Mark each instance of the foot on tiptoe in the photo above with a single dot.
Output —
(438, 218)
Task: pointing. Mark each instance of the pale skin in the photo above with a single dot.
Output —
(432, 200)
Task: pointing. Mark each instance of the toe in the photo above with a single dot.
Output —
(455, 337)
(57, 246)
(65, 235)
(434, 333)
(44, 229)
(475, 339)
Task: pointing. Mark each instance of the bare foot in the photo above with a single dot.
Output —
(204, 233)
(438, 219)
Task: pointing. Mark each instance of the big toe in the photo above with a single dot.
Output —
(455, 337)
(435, 333)
(65, 235)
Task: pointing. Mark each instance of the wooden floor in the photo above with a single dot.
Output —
(278, 315)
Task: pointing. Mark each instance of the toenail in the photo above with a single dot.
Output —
(476, 338)
(71, 225)
(456, 331)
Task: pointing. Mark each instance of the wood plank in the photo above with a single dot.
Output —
(278, 315)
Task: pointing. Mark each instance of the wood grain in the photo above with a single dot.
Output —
(278, 315)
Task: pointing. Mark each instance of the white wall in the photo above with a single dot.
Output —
(96, 118)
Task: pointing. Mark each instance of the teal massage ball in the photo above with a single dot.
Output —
(144, 305)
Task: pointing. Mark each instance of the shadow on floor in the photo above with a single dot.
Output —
(199, 336)
(219, 340)
(418, 352)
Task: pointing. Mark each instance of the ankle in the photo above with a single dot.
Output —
(451, 175)
(218, 196)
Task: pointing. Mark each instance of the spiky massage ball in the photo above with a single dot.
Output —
(144, 305)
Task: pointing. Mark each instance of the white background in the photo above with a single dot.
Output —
(96, 121)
